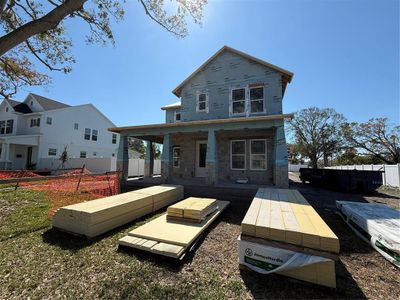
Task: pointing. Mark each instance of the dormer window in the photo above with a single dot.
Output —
(202, 102)
(177, 116)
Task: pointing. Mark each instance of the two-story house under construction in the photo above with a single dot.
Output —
(227, 127)
(36, 131)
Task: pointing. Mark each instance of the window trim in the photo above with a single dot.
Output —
(95, 135)
(244, 155)
(49, 119)
(9, 127)
(265, 154)
(77, 126)
(263, 99)
(114, 139)
(175, 113)
(198, 93)
(85, 134)
(178, 157)
(245, 88)
(35, 122)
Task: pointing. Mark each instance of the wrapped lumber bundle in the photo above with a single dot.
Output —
(282, 233)
(95, 217)
(377, 224)
(192, 209)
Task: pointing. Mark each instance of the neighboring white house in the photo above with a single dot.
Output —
(38, 129)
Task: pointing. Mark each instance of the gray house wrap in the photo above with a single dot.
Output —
(217, 126)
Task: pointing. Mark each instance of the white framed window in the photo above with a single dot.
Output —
(49, 120)
(76, 126)
(9, 126)
(82, 154)
(202, 102)
(238, 154)
(114, 138)
(176, 156)
(94, 134)
(257, 103)
(52, 152)
(35, 122)
(2, 127)
(177, 116)
(87, 134)
(238, 101)
(258, 154)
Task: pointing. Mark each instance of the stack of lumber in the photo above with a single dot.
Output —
(283, 219)
(191, 209)
(95, 217)
(172, 239)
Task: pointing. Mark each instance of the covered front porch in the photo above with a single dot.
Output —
(214, 152)
(18, 152)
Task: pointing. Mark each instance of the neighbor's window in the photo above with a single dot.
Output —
(2, 127)
(177, 116)
(6, 109)
(114, 138)
(49, 120)
(94, 153)
(35, 122)
(52, 152)
(238, 155)
(82, 154)
(239, 101)
(202, 102)
(258, 154)
(9, 126)
(87, 134)
(257, 99)
(176, 157)
(94, 134)
(76, 126)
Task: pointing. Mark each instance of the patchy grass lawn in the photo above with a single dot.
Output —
(38, 262)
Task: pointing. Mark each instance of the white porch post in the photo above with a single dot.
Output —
(166, 157)
(123, 157)
(5, 155)
(211, 158)
(149, 160)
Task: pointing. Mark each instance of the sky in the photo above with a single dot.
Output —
(344, 55)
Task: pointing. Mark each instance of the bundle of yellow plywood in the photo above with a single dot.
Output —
(95, 217)
(294, 239)
(172, 239)
(191, 209)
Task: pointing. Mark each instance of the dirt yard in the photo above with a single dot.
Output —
(38, 262)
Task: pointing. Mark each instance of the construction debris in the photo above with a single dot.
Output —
(95, 217)
(169, 238)
(282, 233)
(377, 224)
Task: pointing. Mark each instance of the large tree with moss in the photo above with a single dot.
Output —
(34, 32)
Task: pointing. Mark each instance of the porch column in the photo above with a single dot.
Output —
(166, 157)
(5, 156)
(211, 158)
(123, 157)
(149, 160)
(280, 163)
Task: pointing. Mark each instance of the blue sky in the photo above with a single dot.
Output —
(344, 54)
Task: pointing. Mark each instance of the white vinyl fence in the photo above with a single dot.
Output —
(100, 165)
(296, 168)
(390, 175)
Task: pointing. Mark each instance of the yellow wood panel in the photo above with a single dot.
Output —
(182, 234)
(249, 221)
(263, 220)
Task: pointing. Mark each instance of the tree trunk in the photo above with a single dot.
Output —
(326, 160)
(43, 24)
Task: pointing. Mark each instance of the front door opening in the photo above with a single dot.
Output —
(29, 158)
(201, 153)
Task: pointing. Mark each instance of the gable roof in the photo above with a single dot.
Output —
(286, 75)
(19, 106)
(48, 104)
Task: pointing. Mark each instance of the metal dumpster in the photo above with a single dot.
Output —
(343, 180)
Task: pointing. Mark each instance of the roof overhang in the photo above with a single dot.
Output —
(286, 75)
(203, 125)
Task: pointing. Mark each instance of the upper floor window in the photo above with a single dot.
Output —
(94, 134)
(238, 101)
(177, 116)
(202, 102)
(6, 109)
(257, 99)
(35, 122)
(49, 120)
(52, 152)
(87, 134)
(76, 126)
(6, 126)
(114, 138)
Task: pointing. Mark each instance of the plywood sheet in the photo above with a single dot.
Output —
(182, 234)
